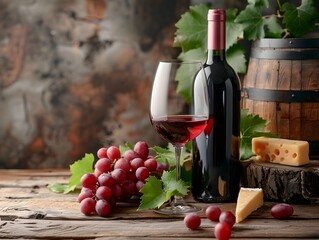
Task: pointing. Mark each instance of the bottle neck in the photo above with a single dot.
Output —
(216, 55)
(216, 35)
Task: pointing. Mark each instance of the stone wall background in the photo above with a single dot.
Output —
(75, 75)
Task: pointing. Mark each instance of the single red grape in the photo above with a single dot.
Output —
(151, 164)
(213, 212)
(118, 175)
(113, 153)
(102, 208)
(123, 164)
(228, 217)
(101, 153)
(222, 231)
(103, 192)
(105, 179)
(142, 173)
(87, 206)
(88, 180)
(103, 164)
(192, 221)
(142, 149)
(282, 211)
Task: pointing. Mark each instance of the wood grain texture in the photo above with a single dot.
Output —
(291, 120)
(28, 210)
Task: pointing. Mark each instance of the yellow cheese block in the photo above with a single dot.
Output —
(282, 151)
(249, 200)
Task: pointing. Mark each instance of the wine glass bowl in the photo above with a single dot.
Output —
(178, 118)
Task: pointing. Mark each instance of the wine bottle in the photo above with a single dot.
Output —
(216, 166)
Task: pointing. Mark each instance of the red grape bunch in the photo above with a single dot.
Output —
(117, 178)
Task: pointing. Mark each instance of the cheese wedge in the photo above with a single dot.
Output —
(282, 151)
(249, 200)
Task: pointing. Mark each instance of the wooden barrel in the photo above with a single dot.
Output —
(282, 86)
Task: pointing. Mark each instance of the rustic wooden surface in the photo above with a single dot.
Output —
(28, 210)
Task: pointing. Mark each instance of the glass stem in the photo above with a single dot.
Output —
(178, 151)
(178, 200)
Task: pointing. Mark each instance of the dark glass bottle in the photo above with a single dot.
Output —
(216, 166)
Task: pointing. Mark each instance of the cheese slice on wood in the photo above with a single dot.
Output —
(249, 200)
(282, 151)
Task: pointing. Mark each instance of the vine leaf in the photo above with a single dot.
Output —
(300, 20)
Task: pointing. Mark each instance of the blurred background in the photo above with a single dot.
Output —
(76, 75)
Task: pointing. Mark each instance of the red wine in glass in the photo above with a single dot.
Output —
(178, 119)
(179, 129)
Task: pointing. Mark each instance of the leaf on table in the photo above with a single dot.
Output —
(192, 29)
(153, 194)
(61, 188)
(251, 126)
(300, 20)
(78, 169)
(81, 167)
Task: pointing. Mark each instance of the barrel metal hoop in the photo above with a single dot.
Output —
(287, 96)
(287, 43)
(282, 55)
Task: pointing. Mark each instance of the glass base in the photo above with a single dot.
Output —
(177, 207)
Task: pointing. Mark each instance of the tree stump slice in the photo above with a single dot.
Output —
(285, 183)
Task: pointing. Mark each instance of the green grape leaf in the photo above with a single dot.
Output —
(234, 31)
(153, 194)
(258, 3)
(274, 29)
(251, 126)
(236, 58)
(61, 188)
(185, 83)
(300, 20)
(78, 169)
(164, 155)
(172, 186)
(158, 191)
(81, 167)
(185, 74)
(253, 22)
(192, 29)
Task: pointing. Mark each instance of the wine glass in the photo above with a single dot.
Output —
(179, 119)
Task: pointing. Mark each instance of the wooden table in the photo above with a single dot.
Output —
(28, 210)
